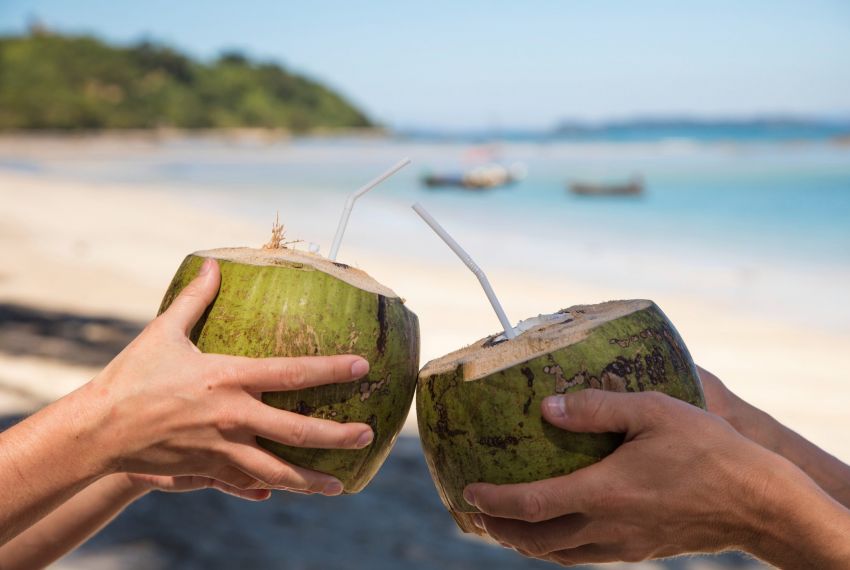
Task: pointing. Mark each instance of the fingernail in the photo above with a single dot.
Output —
(554, 406)
(205, 267)
(332, 488)
(359, 368)
(478, 522)
(469, 497)
(365, 439)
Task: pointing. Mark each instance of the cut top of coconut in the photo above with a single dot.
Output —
(276, 257)
(536, 336)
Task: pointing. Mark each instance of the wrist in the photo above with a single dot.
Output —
(76, 436)
(97, 419)
(752, 423)
(791, 522)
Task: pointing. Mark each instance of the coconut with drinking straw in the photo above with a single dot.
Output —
(478, 408)
(277, 301)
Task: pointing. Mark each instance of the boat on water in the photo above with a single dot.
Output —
(632, 187)
(485, 177)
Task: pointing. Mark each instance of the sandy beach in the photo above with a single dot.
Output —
(83, 267)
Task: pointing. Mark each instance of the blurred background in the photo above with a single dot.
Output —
(695, 154)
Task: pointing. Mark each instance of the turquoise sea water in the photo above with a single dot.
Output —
(762, 199)
(766, 224)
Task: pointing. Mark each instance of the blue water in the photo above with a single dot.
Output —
(756, 202)
(746, 200)
(764, 223)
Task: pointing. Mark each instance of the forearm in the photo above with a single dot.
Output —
(47, 459)
(796, 525)
(70, 524)
(831, 474)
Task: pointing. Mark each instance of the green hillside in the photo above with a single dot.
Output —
(50, 81)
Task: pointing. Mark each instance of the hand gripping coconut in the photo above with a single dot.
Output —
(280, 302)
(478, 408)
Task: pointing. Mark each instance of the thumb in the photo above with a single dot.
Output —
(597, 411)
(194, 299)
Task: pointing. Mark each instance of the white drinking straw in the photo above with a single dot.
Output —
(349, 204)
(485, 284)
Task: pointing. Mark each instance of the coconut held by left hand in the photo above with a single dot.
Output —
(277, 301)
(282, 302)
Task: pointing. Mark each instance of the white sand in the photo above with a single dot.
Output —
(112, 251)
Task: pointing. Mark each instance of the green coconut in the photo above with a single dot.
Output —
(479, 408)
(280, 302)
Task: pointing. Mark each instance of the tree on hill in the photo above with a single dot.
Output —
(50, 81)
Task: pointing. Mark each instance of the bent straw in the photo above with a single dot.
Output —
(349, 204)
(510, 333)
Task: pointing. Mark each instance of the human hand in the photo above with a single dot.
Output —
(185, 483)
(683, 481)
(161, 407)
(719, 399)
(830, 473)
(749, 421)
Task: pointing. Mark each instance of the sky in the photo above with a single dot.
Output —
(524, 64)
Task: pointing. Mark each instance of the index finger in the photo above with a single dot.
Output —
(537, 501)
(292, 373)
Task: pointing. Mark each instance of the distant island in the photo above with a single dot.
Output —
(719, 129)
(767, 129)
(57, 82)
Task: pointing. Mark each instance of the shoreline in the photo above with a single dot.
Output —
(165, 134)
(379, 132)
